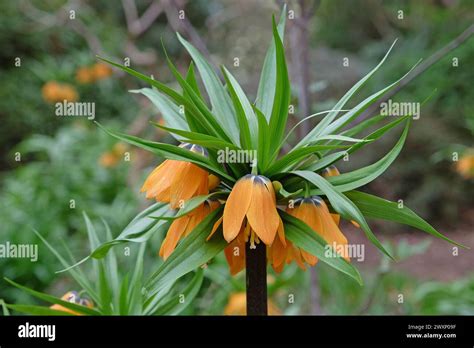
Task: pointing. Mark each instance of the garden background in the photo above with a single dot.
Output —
(69, 158)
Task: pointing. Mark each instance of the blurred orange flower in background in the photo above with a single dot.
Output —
(237, 305)
(111, 158)
(96, 72)
(53, 92)
(465, 165)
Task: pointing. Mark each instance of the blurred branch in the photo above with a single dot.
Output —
(172, 8)
(299, 42)
(459, 40)
(61, 18)
(300, 64)
(138, 25)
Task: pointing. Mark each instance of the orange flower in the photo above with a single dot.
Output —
(251, 209)
(237, 305)
(333, 171)
(53, 92)
(182, 226)
(315, 213)
(465, 166)
(101, 71)
(119, 149)
(175, 182)
(73, 297)
(108, 159)
(84, 75)
(214, 181)
(330, 171)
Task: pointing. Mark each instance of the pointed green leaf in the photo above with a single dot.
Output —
(378, 208)
(180, 301)
(55, 300)
(169, 111)
(268, 77)
(246, 118)
(360, 177)
(279, 116)
(192, 252)
(342, 205)
(220, 101)
(321, 126)
(170, 152)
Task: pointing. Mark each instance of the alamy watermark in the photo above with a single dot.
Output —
(19, 251)
(237, 156)
(353, 251)
(391, 108)
(80, 109)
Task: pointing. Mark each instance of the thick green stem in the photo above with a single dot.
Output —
(256, 275)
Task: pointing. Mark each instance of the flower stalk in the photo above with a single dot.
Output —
(256, 279)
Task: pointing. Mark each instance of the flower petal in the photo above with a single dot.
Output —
(236, 207)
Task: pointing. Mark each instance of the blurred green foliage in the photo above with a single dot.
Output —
(60, 159)
(37, 194)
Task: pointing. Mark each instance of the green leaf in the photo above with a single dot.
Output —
(220, 101)
(360, 177)
(340, 104)
(356, 111)
(169, 111)
(192, 252)
(190, 205)
(37, 310)
(204, 115)
(284, 163)
(263, 146)
(5, 310)
(170, 152)
(191, 80)
(378, 208)
(281, 101)
(139, 230)
(304, 120)
(102, 283)
(342, 205)
(48, 298)
(112, 266)
(268, 77)
(334, 157)
(174, 306)
(136, 284)
(339, 138)
(123, 297)
(246, 118)
(191, 112)
(77, 274)
(208, 141)
(305, 238)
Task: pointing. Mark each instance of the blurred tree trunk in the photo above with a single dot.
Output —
(299, 37)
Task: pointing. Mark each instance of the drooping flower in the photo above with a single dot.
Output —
(182, 226)
(330, 171)
(175, 181)
(314, 212)
(73, 297)
(333, 171)
(251, 209)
